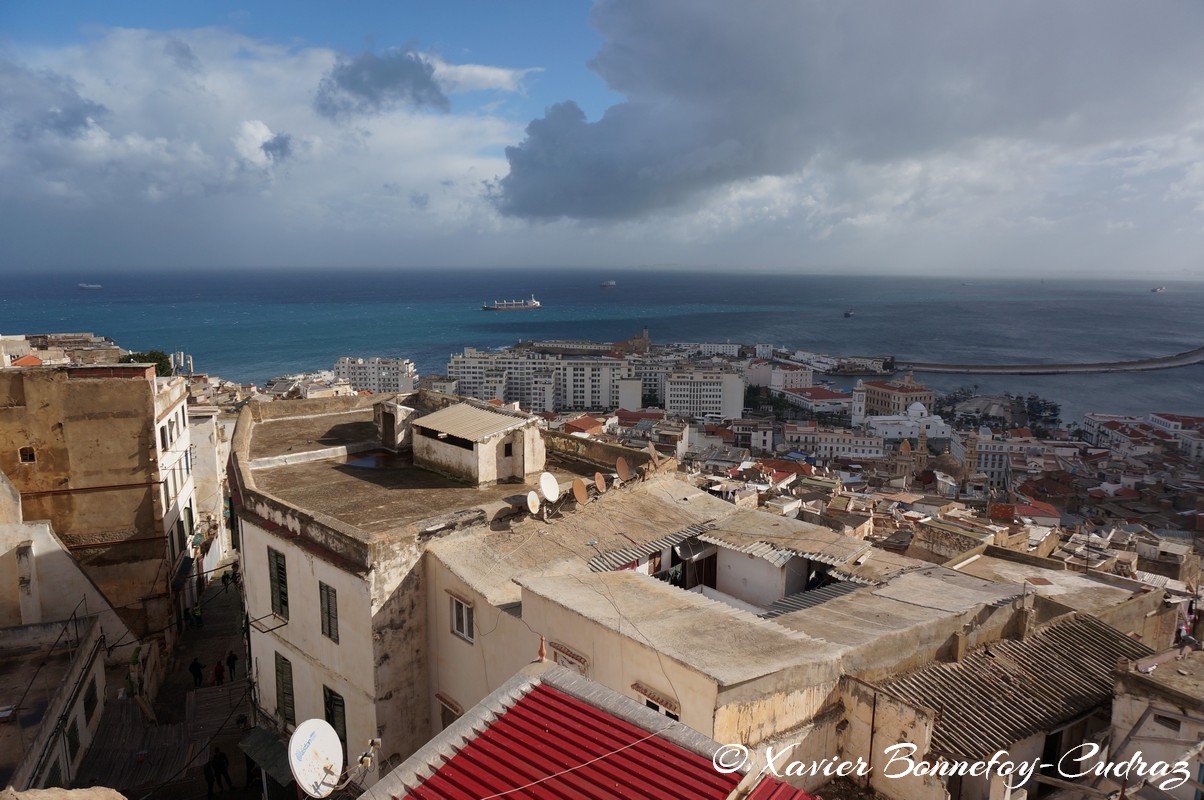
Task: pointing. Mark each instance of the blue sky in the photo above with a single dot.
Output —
(870, 136)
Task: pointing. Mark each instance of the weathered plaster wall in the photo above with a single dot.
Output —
(602, 454)
(618, 661)
(877, 720)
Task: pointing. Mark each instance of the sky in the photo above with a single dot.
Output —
(978, 137)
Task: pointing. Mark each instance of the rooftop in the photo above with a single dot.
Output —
(331, 463)
(35, 674)
(470, 422)
(1009, 690)
(551, 734)
(1070, 588)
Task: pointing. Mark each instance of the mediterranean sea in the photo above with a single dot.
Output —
(250, 325)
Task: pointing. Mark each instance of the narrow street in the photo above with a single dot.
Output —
(145, 761)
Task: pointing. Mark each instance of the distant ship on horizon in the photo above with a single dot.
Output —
(511, 305)
(1158, 289)
(848, 313)
(90, 286)
(607, 285)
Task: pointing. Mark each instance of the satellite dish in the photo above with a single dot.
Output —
(549, 487)
(656, 457)
(533, 502)
(623, 470)
(600, 482)
(315, 755)
(580, 493)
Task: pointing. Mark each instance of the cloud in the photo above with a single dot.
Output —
(372, 84)
(37, 103)
(720, 93)
(278, 148)
(455, 78)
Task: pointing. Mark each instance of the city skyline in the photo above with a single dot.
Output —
(1013, 140)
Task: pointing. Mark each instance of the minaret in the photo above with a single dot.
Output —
(922, 451)
(970, 464)
(858, 407)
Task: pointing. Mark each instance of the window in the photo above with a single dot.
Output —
(26, 455)
(462, 618)
(1167, 722)
(163, 436)
(284, 690)
(72, 740)
(508, 450)
(90, 701)
(278, 577)
(336, 714)
(328, 600)
(568, 658)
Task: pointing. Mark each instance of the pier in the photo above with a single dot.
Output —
(1184, 359)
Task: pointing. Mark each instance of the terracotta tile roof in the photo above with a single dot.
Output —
(820, 393)
(27, 361)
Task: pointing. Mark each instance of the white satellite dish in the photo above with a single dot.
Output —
(533, 502)
(315, 756)
(549, 487)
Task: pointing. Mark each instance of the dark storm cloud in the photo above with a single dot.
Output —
(720, 92)
(371, 84)
(278, 148)
(36, 103)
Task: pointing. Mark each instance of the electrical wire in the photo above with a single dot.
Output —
(199, 750)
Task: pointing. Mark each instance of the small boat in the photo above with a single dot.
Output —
(90, 286)
(848, 313)
(511, 305)
(607, 285)
(1158, 289)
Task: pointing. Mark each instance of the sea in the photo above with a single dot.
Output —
(250, 325)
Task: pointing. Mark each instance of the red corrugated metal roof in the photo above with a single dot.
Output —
(556, 747)
(773, 789)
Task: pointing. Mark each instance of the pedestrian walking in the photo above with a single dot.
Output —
(225, 581)
(219, 674)
(221, 768)
(198, 671)
(209, 776)
(196, 616)
(231, 660)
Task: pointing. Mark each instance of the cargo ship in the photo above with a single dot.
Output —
(511, 305)
(607, 285)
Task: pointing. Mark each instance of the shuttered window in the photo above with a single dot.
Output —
(90, 701)
(336, 714)
(284, 690)
(278, 577)
(328, 601)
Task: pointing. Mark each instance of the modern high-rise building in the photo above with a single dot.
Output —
(377, 375)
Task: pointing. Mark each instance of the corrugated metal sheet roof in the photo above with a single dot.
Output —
(469, 422)
(617, 559)
(1012, 689)
(811, 599)
(527, 752)
(778, 556)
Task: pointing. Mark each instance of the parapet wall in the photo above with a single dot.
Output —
(590, 451)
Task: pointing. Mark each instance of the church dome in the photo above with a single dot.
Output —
(917, 410)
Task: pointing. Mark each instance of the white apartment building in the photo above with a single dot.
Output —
(830, 443)
(708, 349)
(698, 390)
(377, 375)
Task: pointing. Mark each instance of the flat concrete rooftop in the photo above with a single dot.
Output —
(369, 489)
(1074, 589)
(294, 435)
